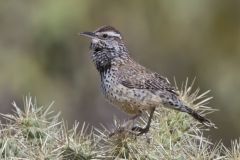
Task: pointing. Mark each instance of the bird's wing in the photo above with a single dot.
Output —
(141, 78)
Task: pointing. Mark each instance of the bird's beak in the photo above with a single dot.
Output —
(88, 34)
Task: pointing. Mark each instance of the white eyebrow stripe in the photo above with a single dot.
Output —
(114, 34)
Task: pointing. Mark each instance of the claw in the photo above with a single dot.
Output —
(140, 130)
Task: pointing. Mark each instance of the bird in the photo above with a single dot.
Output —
(128, 85)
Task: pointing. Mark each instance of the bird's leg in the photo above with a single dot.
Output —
(131, 120)
(126, 125)
(146, 128)
(135, 116)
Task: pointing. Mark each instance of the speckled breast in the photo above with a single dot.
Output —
(131, 101)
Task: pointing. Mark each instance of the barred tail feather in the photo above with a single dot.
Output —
(198, 117)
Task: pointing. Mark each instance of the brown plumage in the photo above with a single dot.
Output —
(129, 85)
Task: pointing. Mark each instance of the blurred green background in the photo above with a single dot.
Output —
(41, 54)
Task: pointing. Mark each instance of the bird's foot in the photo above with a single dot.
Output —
(136, 130)
(122, 129)
(140, 130)
(118, 131)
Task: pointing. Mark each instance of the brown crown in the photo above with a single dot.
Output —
(107, 28)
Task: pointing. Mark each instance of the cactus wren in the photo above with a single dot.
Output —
(129, 85)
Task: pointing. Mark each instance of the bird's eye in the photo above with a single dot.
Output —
(105, 35)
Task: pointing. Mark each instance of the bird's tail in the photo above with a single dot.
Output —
(198, 117)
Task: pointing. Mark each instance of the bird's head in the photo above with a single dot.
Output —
(106, 45)
(105, 37)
